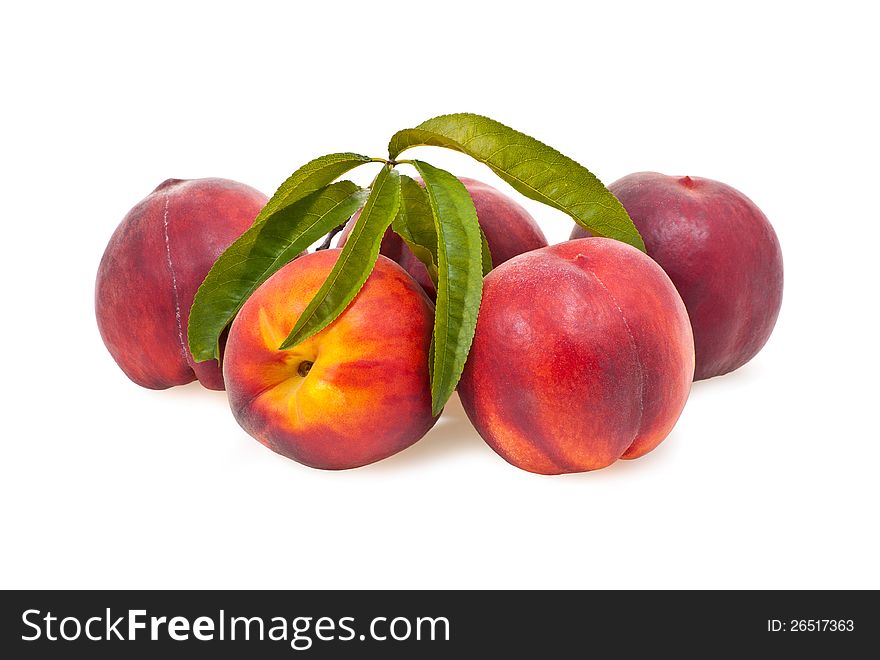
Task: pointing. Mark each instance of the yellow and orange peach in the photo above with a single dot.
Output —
(583, 354)
(354, 393)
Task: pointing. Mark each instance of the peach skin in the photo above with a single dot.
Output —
(151, 269)
(354, 393)
(721, 253)
(583, 354)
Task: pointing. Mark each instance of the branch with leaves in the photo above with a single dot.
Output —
(437, 222)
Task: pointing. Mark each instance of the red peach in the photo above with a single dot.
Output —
(151, 269)
(354, 393)
(583, 354)
(510, 230)
(722, 255)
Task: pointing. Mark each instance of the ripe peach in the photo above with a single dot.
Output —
(583, 354)
(354, 393)
(151, 269)
(722, 255)
(510, 230)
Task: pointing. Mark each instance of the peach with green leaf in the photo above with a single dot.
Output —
(721, 253)
(351, 394)
(508, 227)
(338, 359)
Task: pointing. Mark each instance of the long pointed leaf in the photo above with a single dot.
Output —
(414, 223)
(460, 281)
(257, 254)
(485, 253)
(355, 261)
(537, 171)
(312, 176)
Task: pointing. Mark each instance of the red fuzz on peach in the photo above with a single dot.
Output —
(722, 255)
(151, 269)
(583, 354)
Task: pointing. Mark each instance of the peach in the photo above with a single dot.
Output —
(355, 392)
(510, 230)
(151, 269)
(722, 255)
(583, 354)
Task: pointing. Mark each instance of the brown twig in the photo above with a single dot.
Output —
(326, 244)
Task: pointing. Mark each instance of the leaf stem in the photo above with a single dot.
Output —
(326, 244)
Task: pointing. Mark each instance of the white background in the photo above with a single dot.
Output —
(770, 479)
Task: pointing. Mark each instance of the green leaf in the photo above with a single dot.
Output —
(537, 171)
(414, 223)
(355, 261)
(460, 281)
(312, 176)
(485, 253)
(257, 254)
